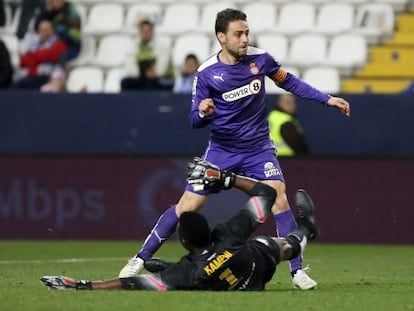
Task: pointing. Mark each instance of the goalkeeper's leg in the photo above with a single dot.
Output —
(163, 229)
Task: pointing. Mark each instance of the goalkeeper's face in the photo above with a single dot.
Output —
(236, 39)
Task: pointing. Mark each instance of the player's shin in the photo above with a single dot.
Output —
(285, 224)
(162, 230)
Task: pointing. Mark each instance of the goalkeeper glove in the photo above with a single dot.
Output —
(203, 175)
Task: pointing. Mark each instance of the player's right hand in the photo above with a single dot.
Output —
(206, 107)
(203, 175)
(341, 104)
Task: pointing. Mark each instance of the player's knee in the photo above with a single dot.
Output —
(281, 203)
(189, 202)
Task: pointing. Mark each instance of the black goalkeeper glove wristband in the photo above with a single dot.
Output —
(227, 179)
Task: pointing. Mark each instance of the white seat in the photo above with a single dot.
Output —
(398, 6)
(87, 53)
(193, 43)
(272, 88)
(104, 18)
(85, 79)
(307, 49)
(140, 11)
(83, 13)
(261, 16)
(12, 28)
(325, 79)
(208, 15)
(374, 21)
(316, 2)
(113, 79)
(179, 18)
(347, 51)
(334, 18)
(295, 18)
(276, 44)
(12, 44)
(113, 50)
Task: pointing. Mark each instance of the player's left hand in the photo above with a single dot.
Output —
(341, 104)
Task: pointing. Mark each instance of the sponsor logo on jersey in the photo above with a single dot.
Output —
(271, 170)
(217, 262)
(254, 70)
(252, 88)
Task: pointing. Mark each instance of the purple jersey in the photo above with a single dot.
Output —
(238, 92)
(240, 118)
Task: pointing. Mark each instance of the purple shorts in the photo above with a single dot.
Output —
(261, 164)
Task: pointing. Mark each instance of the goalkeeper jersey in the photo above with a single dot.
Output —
(233, 263)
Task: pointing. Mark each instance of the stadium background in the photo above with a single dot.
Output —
(103, 165)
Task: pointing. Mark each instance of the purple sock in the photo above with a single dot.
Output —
(286, 223)
(162, 230)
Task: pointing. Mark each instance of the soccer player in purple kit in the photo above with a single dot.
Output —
(229, 96)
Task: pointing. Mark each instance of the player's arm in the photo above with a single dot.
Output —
(202, 108)
(293, 84)
(140, 282)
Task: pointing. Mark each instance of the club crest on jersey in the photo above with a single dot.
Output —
(252, 88)
(271, 170)
(254, 70)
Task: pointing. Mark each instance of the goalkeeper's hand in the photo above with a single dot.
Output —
(203, 175)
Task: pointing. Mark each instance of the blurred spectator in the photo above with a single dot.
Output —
(6, 68)
(27, 12)
(152, 47)
(38, 62)
(67, 22)
(57, 82)
(285, 129)
(148, 79)
(2, 14)
(184, 83)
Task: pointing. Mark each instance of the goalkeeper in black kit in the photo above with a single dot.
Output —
(224, 258)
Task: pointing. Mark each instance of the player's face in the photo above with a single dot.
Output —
(236, 39)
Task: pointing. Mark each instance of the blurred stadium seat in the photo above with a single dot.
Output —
(113, 50)
(375, 21)
(326, 79)
(307, 49)
(295, 18)
(179, 18)
(85, 79)
(194, 43)
(87, 52)
(208, 14)
(104, 18)
(12, 44)
(261, 16)
(112, 83)
(347, 51)
(140, 11)
(276, 44)
(335, 18)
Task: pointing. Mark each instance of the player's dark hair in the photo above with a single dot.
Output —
(226, 16)
(194, 229)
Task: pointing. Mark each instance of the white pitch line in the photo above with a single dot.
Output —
(63, 260)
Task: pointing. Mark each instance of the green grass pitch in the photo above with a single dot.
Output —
(351, 277)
